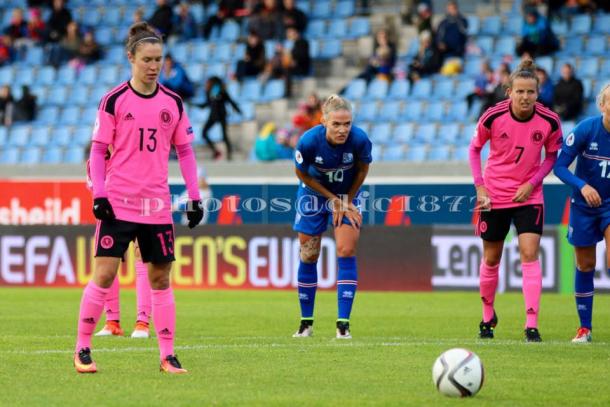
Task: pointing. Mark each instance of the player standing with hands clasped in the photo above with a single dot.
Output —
(590, 203)
(332, 161)
(511, 189)
(141, 119)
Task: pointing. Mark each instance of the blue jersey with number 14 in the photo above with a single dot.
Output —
(590, 142)
(332, 166)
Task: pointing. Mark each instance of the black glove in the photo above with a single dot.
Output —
(194, 213)
(102, 209)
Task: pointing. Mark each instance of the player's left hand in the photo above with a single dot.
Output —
(523, 193)
(353, 215)
(194, 213)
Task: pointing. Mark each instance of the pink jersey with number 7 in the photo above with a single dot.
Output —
(515, 150)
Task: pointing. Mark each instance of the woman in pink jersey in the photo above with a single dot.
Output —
(142, 120)
(510, 191)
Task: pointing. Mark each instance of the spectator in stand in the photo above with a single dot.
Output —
(216, 99)
(299, 60)
(163, 18)
(502, 79)
(6, 106)
(185, 26)
(278, 66)
(227, 9)
(70, 45)
(18, 31)
(483, 83)
(254, 60)
(89, 50)
(382, 61)
(545, 88)
(267, 21)
(427, 61)
(568, 96)
(36, 27)
(26, 107)
(537, 36)
(7, 53)
(138, 15)
(293, 17)
(174, 77)
(423, 18)
(308, 115)
(451, 34)
(58, 21)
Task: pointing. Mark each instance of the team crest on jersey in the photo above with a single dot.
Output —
(319, 160)
(570, 140)
(537, 137)
(593, 146)
(298, 157)
(166, 118)
(348, 158)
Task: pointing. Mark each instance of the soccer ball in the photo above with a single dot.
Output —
(458, 373)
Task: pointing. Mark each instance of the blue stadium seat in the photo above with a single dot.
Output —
(233, 89)
(315, 29)
(448, 133)
(412, 111)
(3, 135)
(344, 9)
(105, 36)
(230, 31)
(355, 89)
(590, 110)
(25, 77)
(88, 116)
(439, 153)
(546, 63)
(588, 67)
(337, 29)
(394, 153)
(365, 127)
(112, 16)
(61, 136)
(416, 153)
(464, 88)
(367, 112)
(82, 135)
(474, 25)
(359, 27)
(403, 133)
(89, 75)
(57, 95)
(9, 155)
(31, 155)
(195, 72)
(115, 55)
(485, 44)
(468, 131)
(573, 46)
(505, 46)
(70, 116)
(377, 89)
(52, 155)
(422, 89)
(48, 115)
(376, 152)
(399, 89)
(200, 52)
(580, 24)
(426, 132)
(444, 89)
(217, 69)
(321, 9)
(602, 24)
(40, 136)
(458, 111)
(222, 52)
(559, 27)
(109, 75)
(596, 45)
(435, 111)
(330, 48)
(513, 25)
(251, 90)
(492, 25)
(66, 75)
(472, 66)
(74, 155)
(274, 89)
(304, 6)
(390, 111)
(605, 68)
(45, 75)
(7, 75)
(460, 153)
(19, 136)
(413, 48)
(380, 133)
(34, 56)
(181, 51)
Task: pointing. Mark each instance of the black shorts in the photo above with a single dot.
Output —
(494, 224)
(156, 241)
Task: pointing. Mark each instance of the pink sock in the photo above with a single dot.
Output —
(488, 282)
(532, 288)
(91, 307)
(143, 292)
(164, 317)
(111, 305)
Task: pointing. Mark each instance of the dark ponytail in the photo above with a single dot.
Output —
(139, 33)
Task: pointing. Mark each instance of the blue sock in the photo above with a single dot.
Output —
(583, 292)
(347, 282)
(307, 284)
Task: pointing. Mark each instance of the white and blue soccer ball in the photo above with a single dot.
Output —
(458, 373)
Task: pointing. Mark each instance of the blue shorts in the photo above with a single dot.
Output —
(314, 213)
(587, 225)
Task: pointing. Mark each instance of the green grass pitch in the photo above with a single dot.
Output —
(239, 351)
